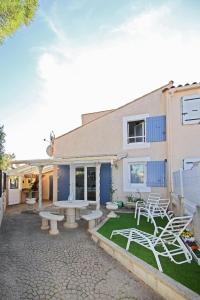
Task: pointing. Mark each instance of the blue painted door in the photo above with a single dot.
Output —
(51, 187)
(105, 182)
(63, 182)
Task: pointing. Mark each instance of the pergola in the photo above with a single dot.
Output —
(39, 166)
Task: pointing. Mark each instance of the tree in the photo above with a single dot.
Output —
(15, 13)
(2, 141)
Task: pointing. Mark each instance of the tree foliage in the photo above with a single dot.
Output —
(2, 140)
(15, 13)
(5, 158)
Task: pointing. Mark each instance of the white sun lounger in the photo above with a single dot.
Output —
(168, 243)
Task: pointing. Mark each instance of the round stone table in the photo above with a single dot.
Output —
(70, 210)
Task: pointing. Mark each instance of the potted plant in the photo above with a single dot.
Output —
(130, 201)
(30, 199)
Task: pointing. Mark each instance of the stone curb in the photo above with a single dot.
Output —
(164, 285)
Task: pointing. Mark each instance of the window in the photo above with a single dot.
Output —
(188, 163)
(134, 132)
(135, 174)
(137, 171)
(191, 109)
(14, 182)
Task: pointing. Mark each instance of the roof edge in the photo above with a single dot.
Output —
(168, 85)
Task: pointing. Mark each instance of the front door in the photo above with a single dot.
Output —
(85, 183)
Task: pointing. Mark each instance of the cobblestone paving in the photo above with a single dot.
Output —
(34, 265)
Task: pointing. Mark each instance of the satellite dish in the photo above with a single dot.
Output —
(52, 137)
(49, 151)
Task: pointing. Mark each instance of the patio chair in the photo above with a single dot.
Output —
(159, 209)
(168, 243)
(152, 199)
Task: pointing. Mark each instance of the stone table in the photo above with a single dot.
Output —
(70, 210)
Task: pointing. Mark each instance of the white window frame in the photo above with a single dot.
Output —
(193, 96)
(73, 180)
(136, 145)
(190, 162)
(134, 187)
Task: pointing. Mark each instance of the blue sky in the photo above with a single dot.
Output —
(80, 56)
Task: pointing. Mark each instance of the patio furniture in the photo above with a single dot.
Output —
(30, 204)
(92, 218)
(168, 243)
(53, 218)
(111, 206)
(158, 209)
(70, 208)
(152, 199)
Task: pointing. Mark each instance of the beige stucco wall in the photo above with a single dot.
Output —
(183, 140)
(92, 116)
(105, 136)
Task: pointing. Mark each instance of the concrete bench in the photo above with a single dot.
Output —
(92, 218)
(53, 218)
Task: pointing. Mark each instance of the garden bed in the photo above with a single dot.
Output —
(187, 274)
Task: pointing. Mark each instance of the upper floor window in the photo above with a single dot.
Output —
(134, 132)
(191, 109)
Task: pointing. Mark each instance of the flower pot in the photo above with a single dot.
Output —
(130, 205)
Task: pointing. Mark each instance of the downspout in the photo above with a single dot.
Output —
(169, 139)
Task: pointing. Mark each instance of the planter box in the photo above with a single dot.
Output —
(194, 253)
(164, 285)
(129, 204)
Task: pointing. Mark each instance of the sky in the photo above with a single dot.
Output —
(80, 56)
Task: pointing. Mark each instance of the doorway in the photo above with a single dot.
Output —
(85, 183)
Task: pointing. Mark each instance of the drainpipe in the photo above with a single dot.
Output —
(169, 139)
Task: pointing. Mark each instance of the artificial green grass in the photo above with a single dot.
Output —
(188, 274)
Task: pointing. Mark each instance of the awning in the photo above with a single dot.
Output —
(31, 165)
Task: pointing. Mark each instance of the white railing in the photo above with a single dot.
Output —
(186, 183)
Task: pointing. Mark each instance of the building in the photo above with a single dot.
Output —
(144, 141)
(131, 149)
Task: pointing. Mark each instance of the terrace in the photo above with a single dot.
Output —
(36, 265)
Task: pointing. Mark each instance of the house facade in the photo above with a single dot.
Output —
(131, 149)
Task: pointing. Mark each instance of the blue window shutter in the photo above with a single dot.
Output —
(156, 173)
(156, 129)
(63, 182)
(105, 182)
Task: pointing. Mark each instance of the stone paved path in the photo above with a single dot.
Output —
(34, 265)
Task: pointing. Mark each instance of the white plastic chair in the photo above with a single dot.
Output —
(168, 243)
(152, 199)
(158, 209)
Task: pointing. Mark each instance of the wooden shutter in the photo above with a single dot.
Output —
(105, 182)
(156, 173)
(191, 109)
(156, 129)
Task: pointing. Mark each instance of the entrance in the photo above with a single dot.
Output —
(85, 183)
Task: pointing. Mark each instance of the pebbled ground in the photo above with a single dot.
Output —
(35, 265)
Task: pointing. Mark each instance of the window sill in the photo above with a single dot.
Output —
(137, 189)
(136, 145)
